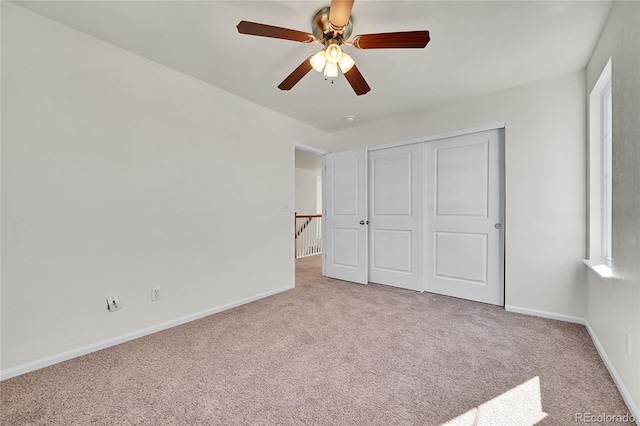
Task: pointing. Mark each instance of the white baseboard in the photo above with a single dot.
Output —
(544, 314)
(74, 353)
(626, 396)
(633, 408)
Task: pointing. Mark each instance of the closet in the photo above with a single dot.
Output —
(425, 216)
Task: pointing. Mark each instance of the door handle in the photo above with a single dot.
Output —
(362, 222)
(497, 226)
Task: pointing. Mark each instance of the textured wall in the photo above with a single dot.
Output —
(613, 311)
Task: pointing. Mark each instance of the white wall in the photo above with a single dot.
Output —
(306, 191)
(613, 311)
(545, 181)
(119, 175)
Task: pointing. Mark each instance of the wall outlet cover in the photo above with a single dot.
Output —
(155, 294)
(113, 304)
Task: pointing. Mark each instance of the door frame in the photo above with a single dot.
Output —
(444, 135)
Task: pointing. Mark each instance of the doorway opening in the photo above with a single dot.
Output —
(308, 234)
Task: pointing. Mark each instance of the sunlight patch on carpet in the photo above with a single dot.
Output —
(520, 406)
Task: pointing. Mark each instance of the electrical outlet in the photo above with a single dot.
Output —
(155, 294)
(113, 304)
(627, 343)
(284, 208)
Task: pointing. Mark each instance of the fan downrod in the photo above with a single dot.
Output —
(322, 27)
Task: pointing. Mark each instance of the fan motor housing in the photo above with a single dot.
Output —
(322, 27)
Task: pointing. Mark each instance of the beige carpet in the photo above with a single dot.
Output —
(331, 353)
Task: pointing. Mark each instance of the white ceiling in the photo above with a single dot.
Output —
(476, 47)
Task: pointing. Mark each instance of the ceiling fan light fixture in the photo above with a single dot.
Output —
(331, 70)
(346, 63)
(331, 27)
(333, 52)
(318, 60)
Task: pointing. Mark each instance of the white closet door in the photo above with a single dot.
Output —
(346, 215)
(396, 216)
(464, 236)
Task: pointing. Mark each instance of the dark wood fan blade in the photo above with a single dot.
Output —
(408, 39)
(340, 12)
(296, 75)
(357, 81)
(263, 30)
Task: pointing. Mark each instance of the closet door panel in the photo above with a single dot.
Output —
(464, 217)
(396, 216)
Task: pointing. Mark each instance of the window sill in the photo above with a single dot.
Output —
(601, 270)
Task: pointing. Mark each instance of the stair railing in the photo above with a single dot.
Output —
(308, 234)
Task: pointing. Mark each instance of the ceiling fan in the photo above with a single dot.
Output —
(332, 27)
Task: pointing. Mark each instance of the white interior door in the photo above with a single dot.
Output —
(464, 235)
(346, 216)
(396, 216)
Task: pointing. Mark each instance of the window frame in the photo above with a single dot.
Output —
(606, 140)
(600, 177)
